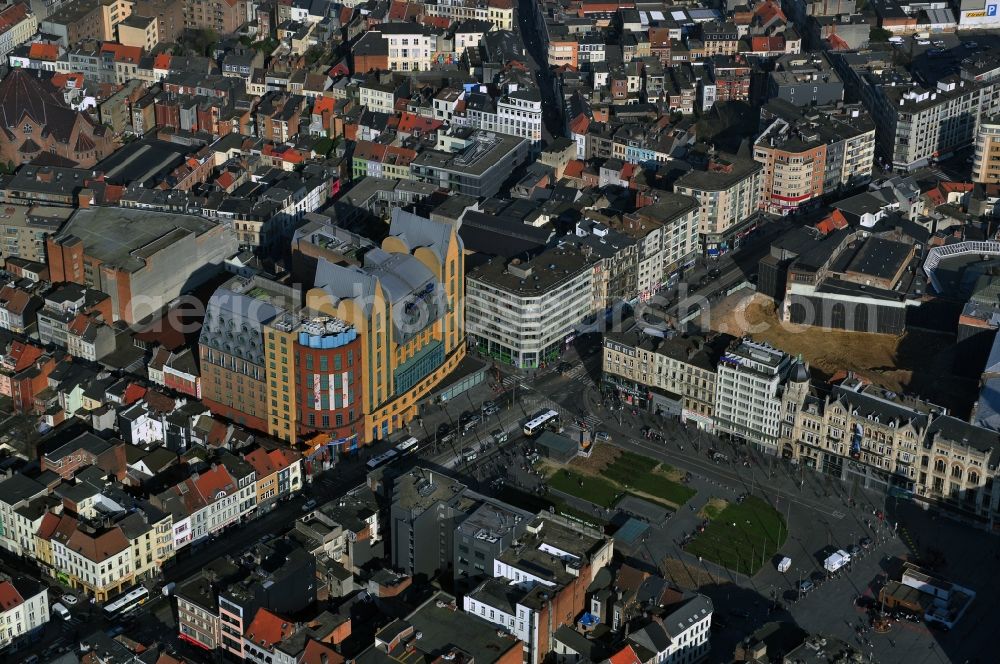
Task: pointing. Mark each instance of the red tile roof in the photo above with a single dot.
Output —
(410, 121)
(226, 180)
(133, 393)
(837, 43)
(831, 223)
(41, 51)
(162, 61)
(323, 105)
(442, 22)
(768, 11)
(9, 597)
(11, 16)
(64, 80)
(579, 124)
(214, 481)
(14, 299)
(574, 169)
(397, 11)
(762, 44)
(267, 629)
(122, 53)
(625, 656)
(23, 355)
(100, 548)
(317, 652)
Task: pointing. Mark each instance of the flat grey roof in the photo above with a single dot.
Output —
(543, 272)
(114, 235)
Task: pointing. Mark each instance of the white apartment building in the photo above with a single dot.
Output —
(517, 113)
(222, 500)
(493, 600)
(748, 393)
(986, 162)
(729, 197)
(524, 313)
(498, 12)
(916, 124)
(24, 608)
(20, 25)
(100, 564)
(667, 233)
(411, 45)
(685, 631)
(16, 492)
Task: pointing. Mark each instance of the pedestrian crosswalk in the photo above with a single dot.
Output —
(940, 174)
(579, 371)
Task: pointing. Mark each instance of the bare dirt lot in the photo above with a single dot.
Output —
(916, 362)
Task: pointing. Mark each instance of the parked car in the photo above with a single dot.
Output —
(854, 549)
(445, 434)
(805, 585)
(602, 437)
(499, 436)
(69, 599)
(309, 505)
(469, 454)
(61, 611)
(866, 542)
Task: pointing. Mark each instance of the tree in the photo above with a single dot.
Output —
(323, 146)
(878, 34)
(314, 54)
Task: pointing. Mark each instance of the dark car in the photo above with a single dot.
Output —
(806, 585)
(445, 434)
(866, 542)
(564, 367)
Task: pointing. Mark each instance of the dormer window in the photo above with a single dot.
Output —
(27, 129)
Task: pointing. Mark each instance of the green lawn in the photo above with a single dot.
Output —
(758, 534)
(630, 473)
(635, 472)
(595, 489)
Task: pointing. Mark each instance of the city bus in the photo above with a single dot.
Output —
(127, 602)
(408, 446)
(382, 459)
(545, 419)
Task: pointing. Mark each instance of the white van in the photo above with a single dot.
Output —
(61, 611)
(784, 564)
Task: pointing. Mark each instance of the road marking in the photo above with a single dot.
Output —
(837, 515)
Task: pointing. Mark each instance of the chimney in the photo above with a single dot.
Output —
(85, 198)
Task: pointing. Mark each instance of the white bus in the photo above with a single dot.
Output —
(382, 459)
(127, 602)
(543, 420)
(408, 446)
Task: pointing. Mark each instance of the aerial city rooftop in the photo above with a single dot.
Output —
(499, 332)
